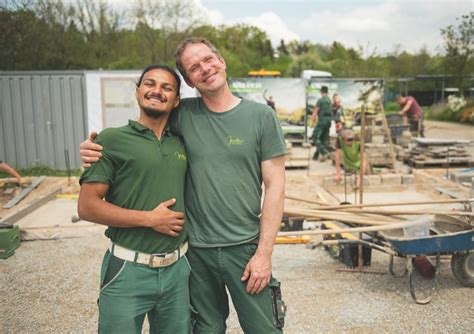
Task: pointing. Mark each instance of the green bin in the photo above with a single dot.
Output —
(9, 240)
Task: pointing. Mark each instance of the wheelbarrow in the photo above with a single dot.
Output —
(446, 236)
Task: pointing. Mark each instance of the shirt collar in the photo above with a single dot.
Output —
(141, 128)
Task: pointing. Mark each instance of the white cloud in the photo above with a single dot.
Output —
(272, 24)
(213, 16)
(413, 24)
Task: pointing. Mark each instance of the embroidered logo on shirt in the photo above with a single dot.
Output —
(234, 141)
(180, 156)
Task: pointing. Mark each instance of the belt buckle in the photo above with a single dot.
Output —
(164, 259)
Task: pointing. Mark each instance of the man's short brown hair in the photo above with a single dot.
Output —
(182, 46)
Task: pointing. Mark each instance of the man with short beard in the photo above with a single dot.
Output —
(141, 176)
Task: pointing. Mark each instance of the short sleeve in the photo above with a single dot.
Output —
(318, 104)
(102, 171)
(272, 143)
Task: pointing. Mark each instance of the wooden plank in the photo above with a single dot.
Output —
(324, 206)
(387, 227)
(436, 141)
(24, 192)
(31, 207)
(448, 192)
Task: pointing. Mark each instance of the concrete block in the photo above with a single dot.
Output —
(366, 180)
(374, 180)
(391, 179)
(378, 139)
(408, 178)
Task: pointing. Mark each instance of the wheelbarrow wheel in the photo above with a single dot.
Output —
(462, 265)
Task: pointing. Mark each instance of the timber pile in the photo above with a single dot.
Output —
(429, 152)
(375, 219)
(294, 161)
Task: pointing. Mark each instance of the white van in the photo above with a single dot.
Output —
(309, 74)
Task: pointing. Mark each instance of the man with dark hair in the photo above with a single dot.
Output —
(322, 114)
(232, 145)
(141, 175)
(413, 111)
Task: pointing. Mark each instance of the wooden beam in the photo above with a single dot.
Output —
(387, 227)
(38, 202)
(411, 213)
(353, 219)
(24, 192)
(343, 207)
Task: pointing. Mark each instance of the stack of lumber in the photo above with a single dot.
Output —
(429, 152)
(293, 160)
(371, 217)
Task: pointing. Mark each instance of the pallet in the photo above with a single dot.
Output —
(438, 163)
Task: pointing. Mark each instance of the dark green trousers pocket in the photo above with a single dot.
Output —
(113, 268)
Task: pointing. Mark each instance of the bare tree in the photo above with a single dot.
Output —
(100, 25)
(163, 23)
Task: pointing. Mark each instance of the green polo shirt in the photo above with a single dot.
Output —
(142, 171)
(325, 107)
(350, 154)
(224, 181)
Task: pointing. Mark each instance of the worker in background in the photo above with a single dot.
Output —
(337, 111)
(10, 170)
(270, 101)
(322, 112)
(413, 111)
(348, 152)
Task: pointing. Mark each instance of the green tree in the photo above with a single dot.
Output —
(458, 45)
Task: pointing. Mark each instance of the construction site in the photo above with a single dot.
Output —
(377, 257)
(203, 166)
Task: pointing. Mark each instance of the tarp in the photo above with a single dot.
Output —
(354, 93)
(288, 95)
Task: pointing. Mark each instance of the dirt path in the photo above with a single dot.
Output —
(446, 130)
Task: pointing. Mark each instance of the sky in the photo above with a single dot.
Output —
(377, 25)
(382, 26)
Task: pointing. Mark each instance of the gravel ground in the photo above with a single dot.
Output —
(52, 286)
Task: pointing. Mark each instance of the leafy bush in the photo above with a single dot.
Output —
(391, 107)
(455, 110)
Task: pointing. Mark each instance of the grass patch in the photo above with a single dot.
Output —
(38, 171)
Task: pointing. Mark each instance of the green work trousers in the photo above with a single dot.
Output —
(321, 136)
(214, 270)
(129, 291)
